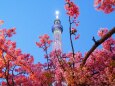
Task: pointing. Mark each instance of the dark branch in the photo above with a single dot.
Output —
(71, 40)
(94, 40)
(97, 43)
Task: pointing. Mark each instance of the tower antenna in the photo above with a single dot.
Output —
(57, 14)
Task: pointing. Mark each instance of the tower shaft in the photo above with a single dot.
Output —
(57, 31)
(57, 45)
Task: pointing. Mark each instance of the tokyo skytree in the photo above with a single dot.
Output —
(57, 30)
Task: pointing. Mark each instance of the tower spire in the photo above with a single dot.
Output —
(57, 14)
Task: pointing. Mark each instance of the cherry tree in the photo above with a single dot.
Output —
(95, 68)
(15, 67)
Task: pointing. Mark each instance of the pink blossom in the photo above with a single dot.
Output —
(1, 22)
(102, 32)
(77, 37)
(107, 6)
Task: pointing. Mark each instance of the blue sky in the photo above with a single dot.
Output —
(33, 18)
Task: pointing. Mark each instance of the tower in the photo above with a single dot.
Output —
(57, 30)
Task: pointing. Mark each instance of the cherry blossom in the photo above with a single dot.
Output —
(107, 6)
(1, 22)
(19, 69)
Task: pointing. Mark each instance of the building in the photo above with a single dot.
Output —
(57, 30)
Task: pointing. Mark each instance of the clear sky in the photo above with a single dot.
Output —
(33, 18)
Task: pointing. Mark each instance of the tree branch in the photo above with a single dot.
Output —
(71, 40)
(60, 62)
(97, 43)
(47, 57)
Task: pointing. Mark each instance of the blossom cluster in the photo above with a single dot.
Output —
(72, 9)
(73, 12)
(44, 42)
(107, 6)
